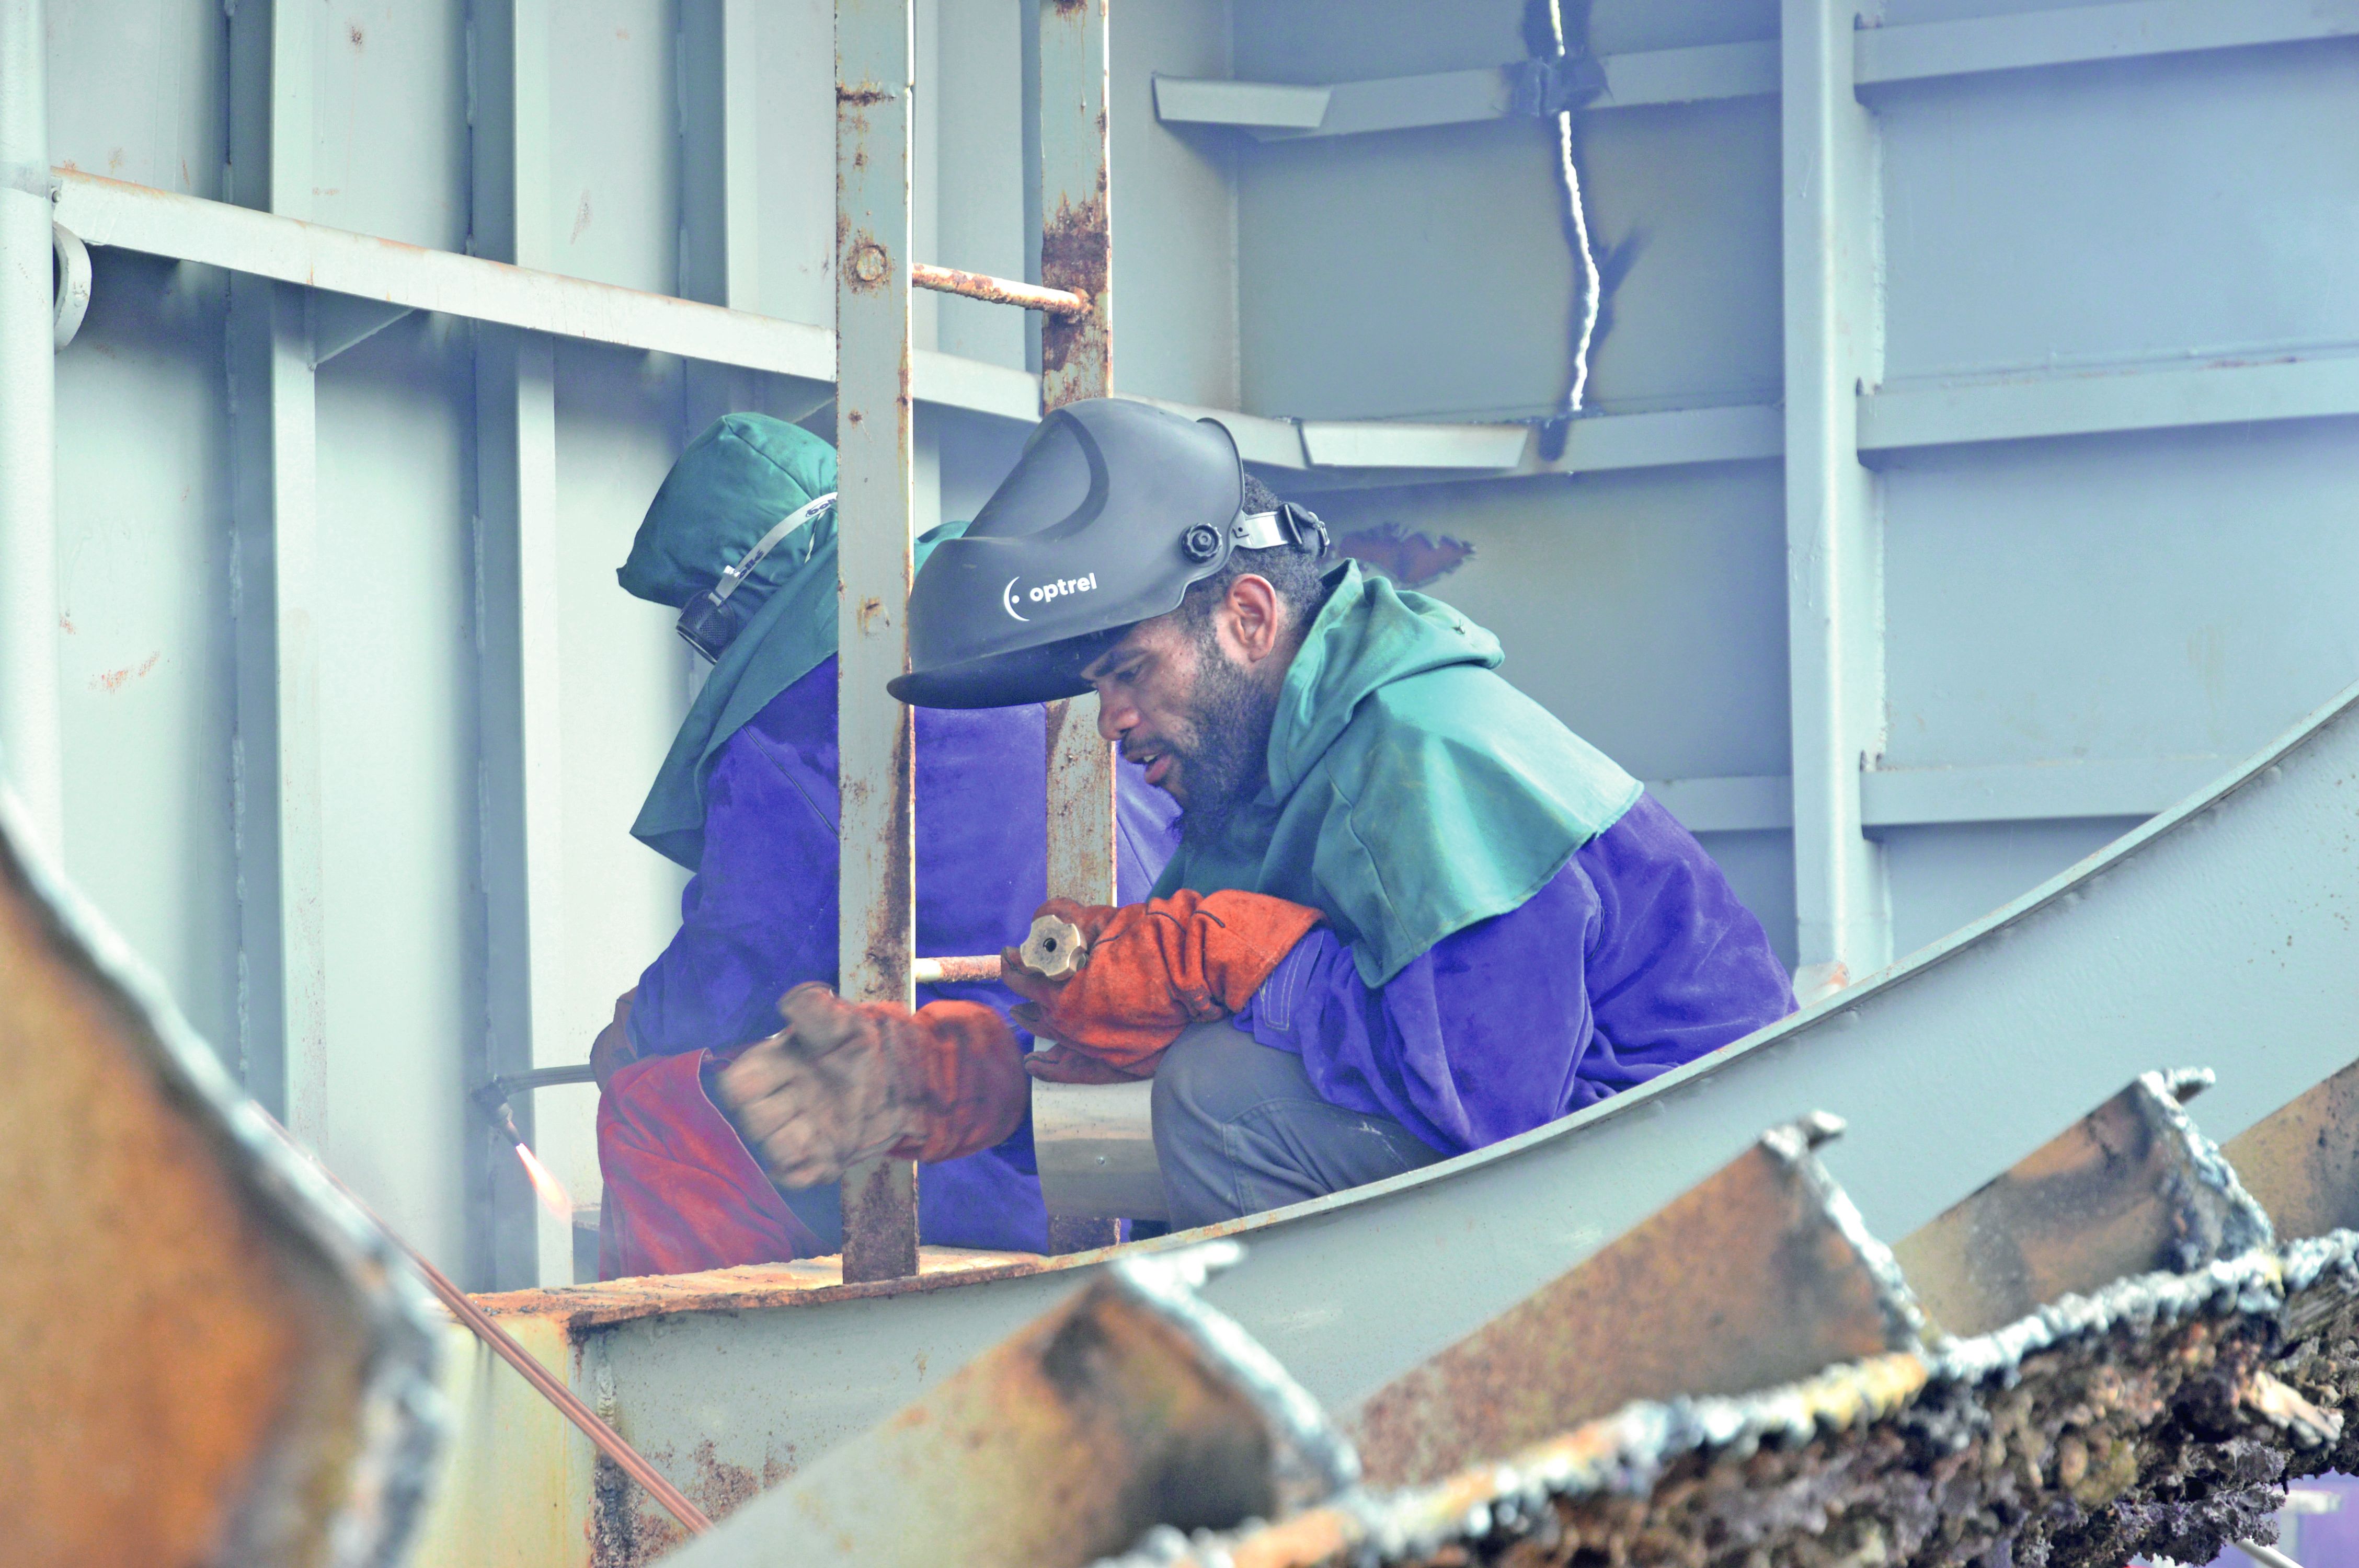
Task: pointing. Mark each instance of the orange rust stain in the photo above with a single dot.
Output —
(871, 611)
(116, 680)
(163, 1338)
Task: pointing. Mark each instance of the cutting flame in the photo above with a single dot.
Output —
(545, 1184)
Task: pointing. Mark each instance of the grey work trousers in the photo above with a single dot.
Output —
(1238, 1129)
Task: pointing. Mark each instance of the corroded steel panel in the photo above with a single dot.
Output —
(2301, 1161)
(2129, 1188)
(212, 1357)
(1760, 1274)
(1130, 1405)
(2155, 1416)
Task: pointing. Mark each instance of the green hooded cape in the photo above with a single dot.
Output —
(1412, 792)
(730, 486)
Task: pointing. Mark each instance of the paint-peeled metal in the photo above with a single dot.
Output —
(2129, 1188)
(1752, 1277)
(212, 1356)
(1128, 1406)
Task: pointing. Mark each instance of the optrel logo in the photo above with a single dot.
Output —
(1045, 592)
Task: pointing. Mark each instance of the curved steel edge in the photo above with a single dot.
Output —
(403, 1420)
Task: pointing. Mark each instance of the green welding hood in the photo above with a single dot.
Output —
(1110, 511)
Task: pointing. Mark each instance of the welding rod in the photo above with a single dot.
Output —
(998, 290)
(502, 1345)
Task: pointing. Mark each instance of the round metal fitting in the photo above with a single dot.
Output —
(1201, 543)
(69, 282)
(869, 263)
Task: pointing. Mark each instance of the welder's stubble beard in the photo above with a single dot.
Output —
(1226, 760)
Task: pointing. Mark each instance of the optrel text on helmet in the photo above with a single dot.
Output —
(1061, 587)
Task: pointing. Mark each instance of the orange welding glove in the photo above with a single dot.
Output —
(845, 1082)
(1153, 969)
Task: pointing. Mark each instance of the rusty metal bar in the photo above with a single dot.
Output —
(1130, 1406)
(503, 1344)
(2130, 1188)
(875, 744)
(997, 290)
(953, 971)
(1077, 362)
(1760, 1274)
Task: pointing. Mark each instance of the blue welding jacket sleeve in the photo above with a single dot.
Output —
(759, 915)
(1634, 959)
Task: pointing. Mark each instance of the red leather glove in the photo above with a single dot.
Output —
(845, 1082)
(1153, 970)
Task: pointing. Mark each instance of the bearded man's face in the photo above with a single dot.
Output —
(1196, 718)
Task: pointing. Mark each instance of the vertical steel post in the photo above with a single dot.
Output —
(1834, 532)
(1077, 362)
(515, 1241)
(274, 591)
(720, 200)
(31, 747)
(876, 932)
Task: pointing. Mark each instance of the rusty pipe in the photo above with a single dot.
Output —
(998, 290)
(954, 972)
(502, 1345)
(1054, 949)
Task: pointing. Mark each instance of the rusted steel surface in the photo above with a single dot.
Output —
(936, 972)
(2301, 1161)
(212, 1355)
(757, 1287)
(1077, 234)
(875, 743)
(2129, 1188)
(1129, 1406)
(1760, 1274)
(2158, 1415)
(997, 290)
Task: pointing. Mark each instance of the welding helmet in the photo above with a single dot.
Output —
(1112, 511)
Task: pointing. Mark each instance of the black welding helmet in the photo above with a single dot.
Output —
(1112, 511)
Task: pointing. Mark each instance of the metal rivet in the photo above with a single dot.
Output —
(869, 263)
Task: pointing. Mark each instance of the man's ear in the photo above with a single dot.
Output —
(1254, 616)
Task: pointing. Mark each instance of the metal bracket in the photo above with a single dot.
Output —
(1543, 89)
(341, 322)
(72, 282)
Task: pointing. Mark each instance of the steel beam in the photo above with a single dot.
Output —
(2131, 1188)
(2296, 385)
(1760, 1274)
(1130, 1406)
(1834, 533)
(2071, 34)
(877, 931)
(1077, 362)
(2301, 1160)
(32, 748)
(274, 593)
(214, 1357)
(515, 1241)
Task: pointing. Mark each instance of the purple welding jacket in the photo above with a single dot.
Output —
(1634, 959)
(759, 916)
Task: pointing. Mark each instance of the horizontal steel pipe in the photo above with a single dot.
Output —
(997, 290)
(956, 971)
